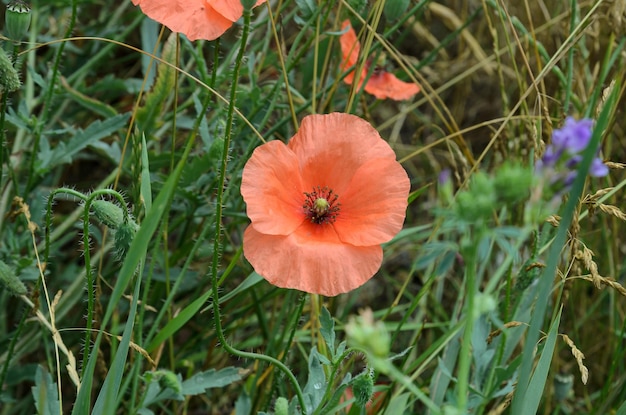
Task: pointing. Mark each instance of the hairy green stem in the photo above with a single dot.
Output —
(217, 246)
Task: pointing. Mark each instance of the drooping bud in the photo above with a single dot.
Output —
(124, 236)
(11, 281)
(17, 19)
(363, 388)
(109, 214)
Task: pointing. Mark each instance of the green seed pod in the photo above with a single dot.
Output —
(9, 79)
(109, 214)
(11, 281)
(17, 19)
(362, 389)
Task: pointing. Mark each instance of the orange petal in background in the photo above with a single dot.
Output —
(385, 85)
(350, 46)
(272, 189)
(381, 84)
(310, 262)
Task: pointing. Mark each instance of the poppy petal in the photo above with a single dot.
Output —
(230, 9)
(382, 85)
(273, 190)
(321, 265)
(193, 18)
(385, 85)
(332, 147)
(350, 46)
(374, 206)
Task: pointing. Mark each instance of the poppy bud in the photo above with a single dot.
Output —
(17, 19)
(363, 388)
(11, 281)
(124, 236)
(109, 214)
(9, 79)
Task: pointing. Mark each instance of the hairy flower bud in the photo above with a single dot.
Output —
(109, 214)
(363, 388)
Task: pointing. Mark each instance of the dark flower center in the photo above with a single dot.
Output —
(320, 205)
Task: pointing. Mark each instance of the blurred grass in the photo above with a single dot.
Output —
(497, 77)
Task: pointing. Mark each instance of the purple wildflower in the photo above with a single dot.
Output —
(562, 157)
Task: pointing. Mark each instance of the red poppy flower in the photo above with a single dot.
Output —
(322, 205)
(197, 19)
(381, 83)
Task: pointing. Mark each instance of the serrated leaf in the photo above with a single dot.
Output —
(212, 378)
(45, 393)
(64, 151)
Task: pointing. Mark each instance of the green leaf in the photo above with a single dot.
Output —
(316, 384)
(145, 186)
(63, 152)
(328, 330)
(394, 9)
(188, 312)
(306, 10)
(538, 380)
(45, 393)
(163, 87)
(398, 404)
(202, 381)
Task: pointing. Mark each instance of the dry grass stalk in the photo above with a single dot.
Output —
(612, 210)
(141, 351)
(586, 256)
(498, 410)
(554, 220)
(497, 332)
(579, 356)
(608, 282)
(614, 165)
(597, 195)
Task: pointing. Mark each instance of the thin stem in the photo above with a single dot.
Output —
(48, 98)
(465, 357)
(217, 247)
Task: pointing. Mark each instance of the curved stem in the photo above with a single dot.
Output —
(218, 227)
